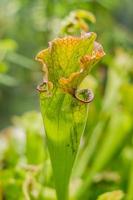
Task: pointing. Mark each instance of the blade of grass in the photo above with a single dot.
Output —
(130, 184)
(118, 130)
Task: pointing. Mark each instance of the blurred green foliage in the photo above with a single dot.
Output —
(105, 160)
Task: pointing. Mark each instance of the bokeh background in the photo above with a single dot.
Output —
(26, 27)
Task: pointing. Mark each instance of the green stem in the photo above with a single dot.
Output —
(65, 120)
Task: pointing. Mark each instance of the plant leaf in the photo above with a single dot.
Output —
(64, 107)
(115, 195)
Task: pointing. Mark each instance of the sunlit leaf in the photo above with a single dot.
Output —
(115, 195)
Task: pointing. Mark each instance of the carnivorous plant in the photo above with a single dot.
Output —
(64, 99)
